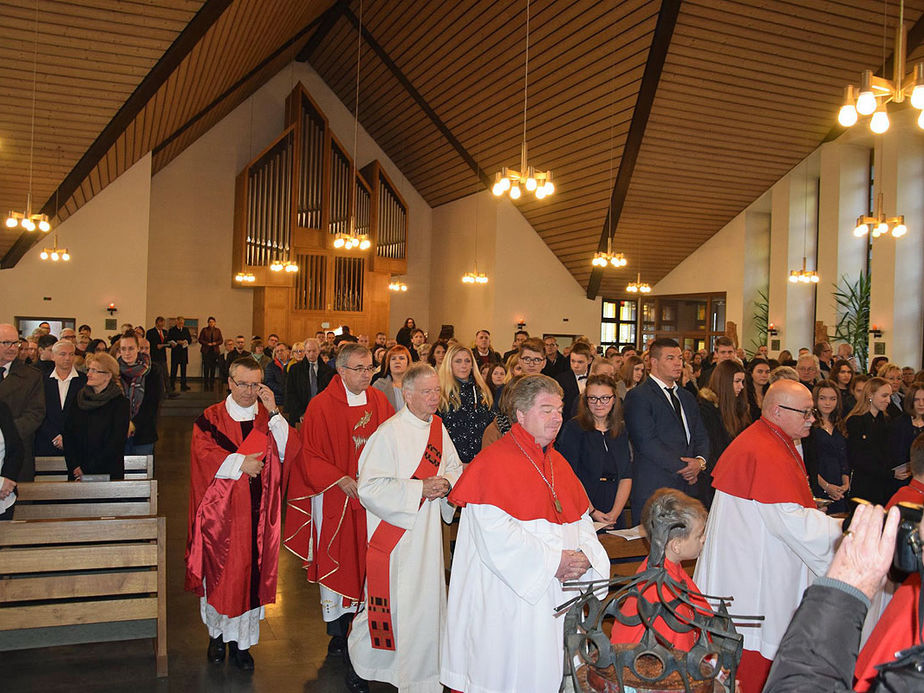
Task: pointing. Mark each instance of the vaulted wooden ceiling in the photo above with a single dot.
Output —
(672, 115)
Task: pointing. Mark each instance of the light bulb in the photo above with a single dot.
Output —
(365, 244)
(794, 277)
(861, 230)
(404, 287)
(497, 190)
(44, 255)
(879, 123)
(549, 187)
(54, 256)
(866, 103)
(11, 221)
(632, 288)
(847, 116)
(899, 231)
(65, 256)
(505, 183)
(44, 226)
(28, 224)
(530, 184)
(882, 228)
(645, 289)
(815, 279)
(515, 192)
(921, 120)
(917, 97)
(483, 279)
(540, 193)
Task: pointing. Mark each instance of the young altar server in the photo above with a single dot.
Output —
(406, 471)
(684, 543)
(525, 530)
(232, 551)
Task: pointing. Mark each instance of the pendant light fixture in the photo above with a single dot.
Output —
(54, 253)
(245, 278)
(638, 286)
(509, 180)
(804, 275)
(875, 92)
(396, 286)
(878, 224)
(29, 220)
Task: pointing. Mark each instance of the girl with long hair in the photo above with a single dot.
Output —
(906, 428)
(826, 446)
(465, 401)
(757, 382)
(868, 443)
(633, 373)
(723, 405)
(596, 444)
(842, 375)
(437, 354)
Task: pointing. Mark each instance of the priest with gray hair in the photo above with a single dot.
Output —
(406, 470)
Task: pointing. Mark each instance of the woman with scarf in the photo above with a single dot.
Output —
(274, 375)
(95, 430)
(465, 401)
(143, 390)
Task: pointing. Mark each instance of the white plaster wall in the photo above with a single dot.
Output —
(108, 242)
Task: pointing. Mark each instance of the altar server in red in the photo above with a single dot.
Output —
(325, 522)
(232, 552)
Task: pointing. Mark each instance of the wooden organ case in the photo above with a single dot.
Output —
(291, 203)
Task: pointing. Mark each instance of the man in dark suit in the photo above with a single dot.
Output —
(179, 338)
(304, 380)
(555, 363)
(572, 380)
(210, 340)
(21, 390)
(157, 337)
(670, 442)
(61, 388)
(519, 337)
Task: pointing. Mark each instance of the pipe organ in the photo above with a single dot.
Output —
(291, 202)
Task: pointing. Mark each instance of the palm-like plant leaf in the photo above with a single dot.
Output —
(853, 314)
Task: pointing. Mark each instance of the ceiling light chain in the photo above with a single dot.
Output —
(875, 92)
(508, 180)
(804, 275)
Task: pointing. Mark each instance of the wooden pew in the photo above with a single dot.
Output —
(55, 469)
(85, 499)
(64, 582)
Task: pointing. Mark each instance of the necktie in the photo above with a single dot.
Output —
(313, 378)
(677, 410)
(2, 373)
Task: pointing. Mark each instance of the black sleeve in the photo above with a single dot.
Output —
(114, 446)
(819, 650)
(14, 451)
(295, 404)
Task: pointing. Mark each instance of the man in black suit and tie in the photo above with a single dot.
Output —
(304, 380)
(667, 434)
(157, 337)
(21, 390)
(61, 388)
(573, 379)
(179, 338)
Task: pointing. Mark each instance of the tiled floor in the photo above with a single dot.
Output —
(291, 654)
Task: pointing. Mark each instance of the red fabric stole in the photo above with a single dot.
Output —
(912, 493)
(383, 542)
(502, 476)
(762, 464)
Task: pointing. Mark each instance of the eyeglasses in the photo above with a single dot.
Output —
(97, 371)
(360, 369)
(600, 399)
(7, 343)
(531, 359)
(245, 386)
(806, 413)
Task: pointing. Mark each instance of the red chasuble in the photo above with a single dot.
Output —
(333, 436)
(762, 464)
(897, 630)
(912, 493)
(502, 476)
(681, 641)
(219, 546)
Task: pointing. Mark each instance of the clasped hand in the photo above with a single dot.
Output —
(572, 566)
(252, 464)
(435, 487)
(691, 471)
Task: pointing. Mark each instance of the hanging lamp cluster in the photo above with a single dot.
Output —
(474, 278)
(349, 241)
(245, 278)
(514, 181)
(54, 253)
(397, 286)
(278, 266)
(607, 258)
(875, 92)
(879, 224)
(804, 276)
(638, 286)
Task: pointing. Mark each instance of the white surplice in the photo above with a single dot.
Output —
(504, 635)
(417, 591)
(764, 555)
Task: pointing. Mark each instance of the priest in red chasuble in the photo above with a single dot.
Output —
(766, 541)
(232, 550)
(325, 522)
(525, 530)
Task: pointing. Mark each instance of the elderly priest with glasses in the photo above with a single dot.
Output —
(232, 551)
(766, 541)
(406, 471)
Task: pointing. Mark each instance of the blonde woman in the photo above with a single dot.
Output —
(868, 443)
(465, 401)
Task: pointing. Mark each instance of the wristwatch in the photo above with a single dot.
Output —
(273, 413)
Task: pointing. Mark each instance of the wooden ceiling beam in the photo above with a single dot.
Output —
(654, 65)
